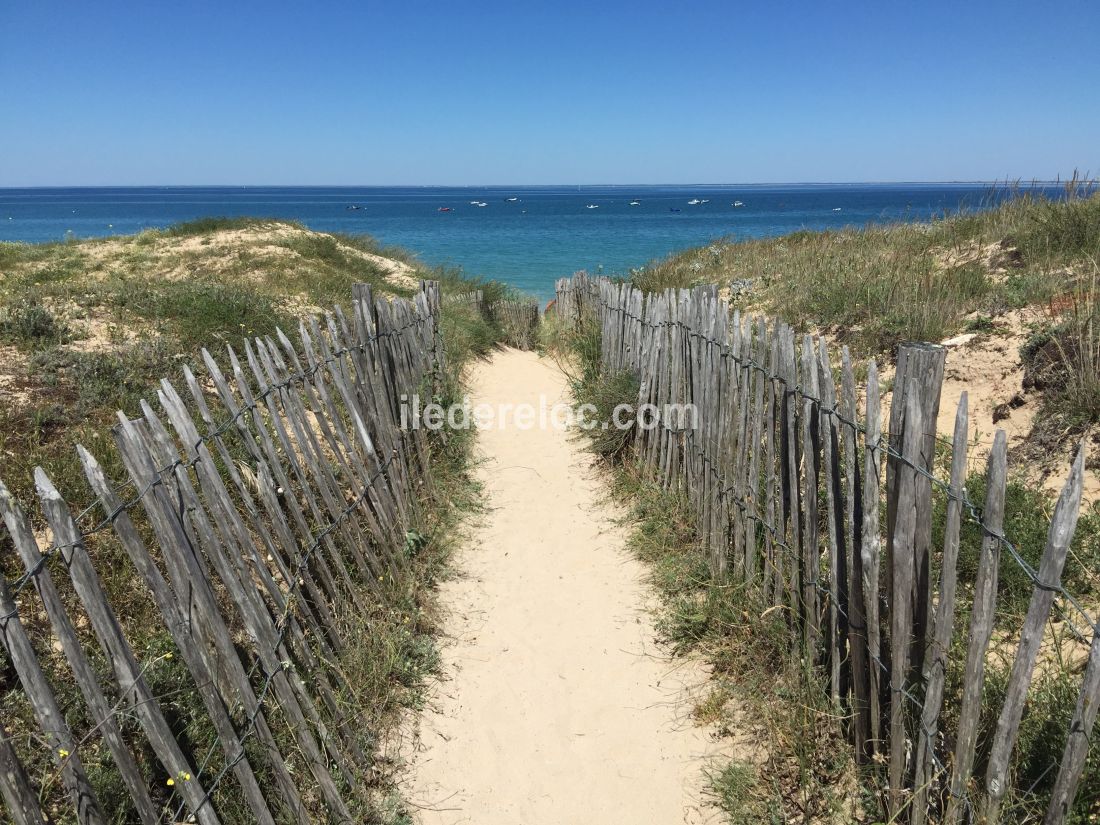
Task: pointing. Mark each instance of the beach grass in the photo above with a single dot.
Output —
(878, 285)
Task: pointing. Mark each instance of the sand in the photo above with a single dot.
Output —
(557, 706)
(990, 369)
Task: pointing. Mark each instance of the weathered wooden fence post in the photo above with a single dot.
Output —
(919, 370)
(981, 628)
(907, 490)
(15, 788)
(935, 660)
(1077, 743)
(1063, 524)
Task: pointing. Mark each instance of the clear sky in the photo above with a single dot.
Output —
(97, 92)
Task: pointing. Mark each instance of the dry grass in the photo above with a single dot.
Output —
(880, 285)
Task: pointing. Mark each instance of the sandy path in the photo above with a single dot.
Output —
(557, 708)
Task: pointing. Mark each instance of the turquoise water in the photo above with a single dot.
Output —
(527, 236)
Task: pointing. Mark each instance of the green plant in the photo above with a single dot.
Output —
(207, 226)
(29, 322)
(1063, 361)
(980, 323)
(734, 788)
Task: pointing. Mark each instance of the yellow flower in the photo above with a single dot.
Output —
(170, 782)
(167, 655)
(62, 752)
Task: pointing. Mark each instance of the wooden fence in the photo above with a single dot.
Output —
(517, 319)
(474, 298)
(262, 502)
(784, 468)
(576, 296)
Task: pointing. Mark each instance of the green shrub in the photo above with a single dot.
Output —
(30, 323)
(1026, 523)
(205, 226)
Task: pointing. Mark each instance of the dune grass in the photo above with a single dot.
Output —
(878, 285)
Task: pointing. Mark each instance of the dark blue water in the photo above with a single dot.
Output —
(546, 232)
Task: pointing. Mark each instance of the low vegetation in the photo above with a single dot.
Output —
(90, 327)
(879, 285)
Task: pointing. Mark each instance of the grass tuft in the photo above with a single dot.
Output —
(30, 324)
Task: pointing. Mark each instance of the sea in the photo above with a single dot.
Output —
(527, 236)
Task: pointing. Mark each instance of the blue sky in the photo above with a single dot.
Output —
(242, 92)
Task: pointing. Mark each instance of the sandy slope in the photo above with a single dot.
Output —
(557, 707)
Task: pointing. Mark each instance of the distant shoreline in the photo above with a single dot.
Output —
(1024, 182)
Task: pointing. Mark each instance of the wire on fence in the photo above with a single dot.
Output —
(299, 377)
(973, 511)
(879, 448)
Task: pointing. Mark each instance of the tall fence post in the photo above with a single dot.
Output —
(920, 371)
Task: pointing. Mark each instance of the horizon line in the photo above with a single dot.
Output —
(997, 181)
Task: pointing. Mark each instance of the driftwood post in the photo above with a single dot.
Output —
(58, 736)
(871, 556)
(15, 788)
(903, 539)
(1077, 744)
(853, 598)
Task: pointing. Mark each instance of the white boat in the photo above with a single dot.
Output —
(475, 203)
(593, 206)
(837, 209)
(635, 203)
(738, 203)
(482, 203)
(512, 200)
(694, 201)
(705, 200)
